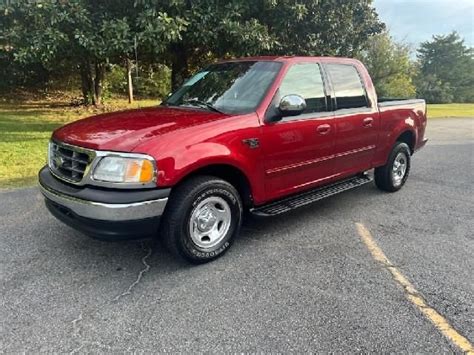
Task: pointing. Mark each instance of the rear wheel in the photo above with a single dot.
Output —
(393, 175)
(201, 219)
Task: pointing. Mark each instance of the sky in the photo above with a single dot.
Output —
(416, 21)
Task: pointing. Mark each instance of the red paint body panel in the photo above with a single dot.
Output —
(293, 155)
(211, 143)
(355, 141)
(122, 131)
(394, 121)
(296, 155)
(357, 132)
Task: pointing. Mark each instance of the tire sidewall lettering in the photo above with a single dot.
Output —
(215, 192)
(226, 243)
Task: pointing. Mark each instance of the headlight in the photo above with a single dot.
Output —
(124, 170)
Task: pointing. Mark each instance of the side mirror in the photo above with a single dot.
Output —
(292, 105)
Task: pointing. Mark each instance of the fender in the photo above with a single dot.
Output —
(173, 170)
(388, 136)
(180, 153)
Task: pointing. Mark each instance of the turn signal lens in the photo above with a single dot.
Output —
(147, 172)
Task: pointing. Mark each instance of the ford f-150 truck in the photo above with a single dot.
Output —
(264, 135)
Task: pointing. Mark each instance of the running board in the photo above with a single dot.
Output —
(308, 197)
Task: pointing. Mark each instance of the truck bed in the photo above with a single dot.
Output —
(389, 101)
(395, 112)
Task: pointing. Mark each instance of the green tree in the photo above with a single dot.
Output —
(39, 33)
(89, 35)
(316, 27)
(13, 73)
(433, 90)
(200, 31)
(446, 69)
(86, 35)
(389, 66)
(211, 29)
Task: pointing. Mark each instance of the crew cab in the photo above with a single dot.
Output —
(263, 134)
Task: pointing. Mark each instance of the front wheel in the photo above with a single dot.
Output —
(201, 219)
(393, 175)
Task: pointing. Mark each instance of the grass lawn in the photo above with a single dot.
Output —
(25, 129)
(450, 110)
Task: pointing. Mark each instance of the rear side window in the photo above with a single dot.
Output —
(305, 79)
(347, 86)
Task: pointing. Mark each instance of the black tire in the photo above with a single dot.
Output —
(175, 226)
(384, 179)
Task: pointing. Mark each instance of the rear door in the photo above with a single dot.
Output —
(298, 149)
(355, 121)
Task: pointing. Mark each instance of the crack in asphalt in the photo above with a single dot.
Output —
(140, 274)
(74, 324)
(128, 291)
(78, 348)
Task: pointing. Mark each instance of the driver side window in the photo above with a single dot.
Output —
(305, 79)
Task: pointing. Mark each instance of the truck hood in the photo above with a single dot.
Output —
(123, 131)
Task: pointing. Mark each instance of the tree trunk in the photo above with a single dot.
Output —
(128, 63)
(98, 83)
(179, 67)
(43, 77)
(86, 83)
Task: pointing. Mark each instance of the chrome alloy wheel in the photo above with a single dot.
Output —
(399, 168)
(210, 221)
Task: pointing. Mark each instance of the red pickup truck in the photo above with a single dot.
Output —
(264, 135)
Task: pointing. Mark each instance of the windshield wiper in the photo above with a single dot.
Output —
(199, 103)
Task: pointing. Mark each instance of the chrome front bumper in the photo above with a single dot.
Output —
(107, 211)
(106, 214)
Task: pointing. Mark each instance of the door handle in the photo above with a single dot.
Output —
(367, 122)
(323, 129)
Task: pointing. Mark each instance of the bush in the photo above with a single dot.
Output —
(153, 81)
(434, 90)
(116, 80)
(399, 86)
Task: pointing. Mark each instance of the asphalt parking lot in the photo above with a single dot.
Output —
(304, 281)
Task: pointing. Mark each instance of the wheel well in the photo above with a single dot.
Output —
(233, 176)
(409, 138)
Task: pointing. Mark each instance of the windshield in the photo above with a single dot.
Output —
(234, 87)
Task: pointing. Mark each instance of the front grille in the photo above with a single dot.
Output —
(68, 162)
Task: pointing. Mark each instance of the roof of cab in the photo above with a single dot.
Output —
(289, 59)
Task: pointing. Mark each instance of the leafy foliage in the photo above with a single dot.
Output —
(84, 35)
(446, 70)
(208, 29)
(434, 90)
(153, 82)
(89, 35)
(319, 27)
(390, 66)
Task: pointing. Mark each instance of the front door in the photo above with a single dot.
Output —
(298, 149)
